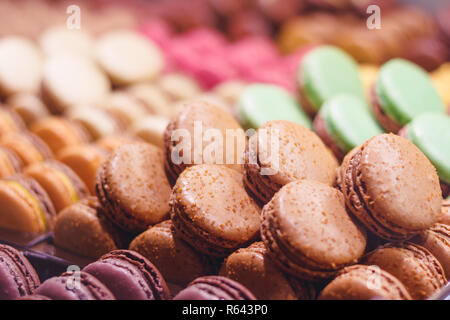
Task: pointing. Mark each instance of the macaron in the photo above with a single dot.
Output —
(391, 187)
(282, 151)
(156, 100)
(260, 103)
(28, 147)
(84, 160)
(10, 121)
(59, 132)
(17, 276)
(200, 121)
(418, 270)
(345, 122)
(83, 228)
(34, 297)
(445, 216)
(437, 241)
(177, 261)
(211, 210)
(28, 106)
(128, 57)
(62, 185)
(401, 92)
(324, 72)
(25, 205)
(308, 232)
(75, 286)
(20, 66)
(59, 39)
(9, 162)
(129, 276)
(231, 90)
(252, 267)
(69, 80)
(151, 129)
(110, 143)
(179, 86)
(98, 122)
(430, 132)
(215, 288)
(137, 196)
(361, 282)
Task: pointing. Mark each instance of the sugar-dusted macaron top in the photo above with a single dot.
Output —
(326, 71)
(311, 219)
(349, 121)
(261, 102)
(400, 183)
(404, 90)
(430, 132)
(291, 152)
(214, 198)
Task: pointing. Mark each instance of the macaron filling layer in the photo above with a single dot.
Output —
(68, 185)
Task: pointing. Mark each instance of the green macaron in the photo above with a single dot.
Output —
(348, 121)
(325, 72)
(402, 91)
(261, 103)
(430, 132)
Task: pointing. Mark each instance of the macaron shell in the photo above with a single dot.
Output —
(253, 268)
(9, 162)
(10, 121)
(404, 91)
(361, 282)
(153, 98)
(28, 106)
(260, 103)
(28, 147)
(418, 270)
(431, 134)
(151, 129)
(216, 224)
(403, 188)
(319, 84)
(178, 262)
(134, 196)
(445, 216)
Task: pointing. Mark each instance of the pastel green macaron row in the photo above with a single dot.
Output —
(348, 121)
(430, 132)
(404, 90)
(327, 71)
(260, 103)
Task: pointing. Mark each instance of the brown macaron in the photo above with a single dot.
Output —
(132, 186)
(28, 147)
(82, 228)
(9, 162)
(445, 216)
(418, 270)
(281, 152)
(308, 232)
(62, 185)
(211, 210)
(178, 262)
(58, 132)
(253, 268)
(181, 138)
(437, 241)
(360, 282)
(25, 205)
(84, 160)
(391, 187)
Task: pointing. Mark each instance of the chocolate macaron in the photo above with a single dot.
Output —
(211, 210)
(283, 151)
(418, 270)
(134, 196)
(253, 267)
(83, 228)
(401, 92)
(74, 286)
(25, 205)
(17, 276)
(361, 282)
(62, 185)
(308, 232)
(185, 132)
(215, 288)
(178, 262)
(391, 187)
(129, 276)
